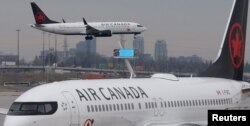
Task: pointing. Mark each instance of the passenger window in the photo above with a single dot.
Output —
(187, 103)
(225, 101)
(118, 108)
(128, 106)
(175, 104)
(100, 108)
(152, 105)
(103, 108)
(88, 108)
(96, 108)
(107, 108)
(121, 106)
(110, 107)
(149, 105)
(114, 107)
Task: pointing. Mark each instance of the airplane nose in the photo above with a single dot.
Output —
(144, 28)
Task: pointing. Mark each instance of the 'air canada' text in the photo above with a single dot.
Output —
(114, 93)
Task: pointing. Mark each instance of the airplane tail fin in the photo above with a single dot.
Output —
(230, 61)
(40, 16)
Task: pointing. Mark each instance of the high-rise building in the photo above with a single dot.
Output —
(65, 47)
(138, 44)
(8, 58)
(87, 46)
(161, 50)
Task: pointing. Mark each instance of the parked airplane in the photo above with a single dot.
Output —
(97, 29)
(162, 100)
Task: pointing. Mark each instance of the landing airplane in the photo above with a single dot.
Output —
(162, 100)
(97, 29)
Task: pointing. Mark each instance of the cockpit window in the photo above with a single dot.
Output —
(33, 108)
(139, 26)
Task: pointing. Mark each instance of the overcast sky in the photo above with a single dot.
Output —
(188, 26)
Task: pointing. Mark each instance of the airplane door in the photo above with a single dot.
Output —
(73, 108)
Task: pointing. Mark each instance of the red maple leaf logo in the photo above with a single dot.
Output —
(236, 45)
(89, 122)
(40, 17)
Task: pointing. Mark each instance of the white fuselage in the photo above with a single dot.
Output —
(79, 28)
(130, 102)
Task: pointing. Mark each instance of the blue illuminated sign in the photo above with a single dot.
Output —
(126, 52)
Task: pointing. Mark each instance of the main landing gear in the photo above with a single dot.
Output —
(88, 37)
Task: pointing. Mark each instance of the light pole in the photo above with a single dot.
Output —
(48, 69)
(18, 30)
(43, 62)
(55, 50)
(49, 49)
(43, 51)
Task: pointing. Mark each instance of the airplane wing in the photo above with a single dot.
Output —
(3, 111)
(246, 88)
(90, 29)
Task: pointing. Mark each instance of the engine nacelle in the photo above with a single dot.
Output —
(105, 33)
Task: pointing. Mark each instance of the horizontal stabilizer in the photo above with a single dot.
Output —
(246, 89)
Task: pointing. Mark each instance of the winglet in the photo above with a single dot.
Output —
(84, 21)
(63, 20)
